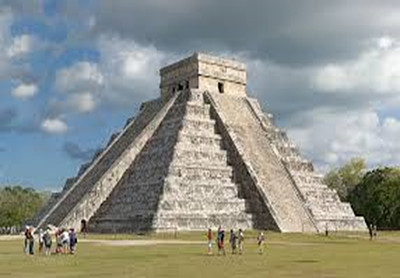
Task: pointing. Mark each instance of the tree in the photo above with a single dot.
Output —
(377, 197)
(18, 204)
(346, 178)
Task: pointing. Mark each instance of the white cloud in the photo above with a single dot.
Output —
(82, 103)
(80, 76)
(333, 137)
(130, 69)
(54, 126)
(22, 45)
(82, 85)
(25, 91)
(376, 69)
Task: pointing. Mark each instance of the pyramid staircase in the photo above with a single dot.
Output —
(181, 179)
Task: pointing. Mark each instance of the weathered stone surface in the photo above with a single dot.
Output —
(202, 155)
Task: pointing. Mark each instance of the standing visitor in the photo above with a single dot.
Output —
(47, 242)
(375, 231)
(232, 241)
(72, 241)
(31, 240)
(220, 240)
(59, 241)
(209, 239)
(26, 240)
(261, 242)
(240, 241)
(40, 240)
(65, 241)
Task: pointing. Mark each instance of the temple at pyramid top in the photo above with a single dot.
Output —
(204, 72)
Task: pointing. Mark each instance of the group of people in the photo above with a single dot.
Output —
(66, 241)
(236, 241)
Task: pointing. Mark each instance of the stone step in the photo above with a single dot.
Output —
(200, 156)
(181, 183)
(342, 224)
(206, 125)
(195, 193)
(201, 172)
(330, 210)
(201, 111)
(299, 165)
(173, 222)
(307, 177)
(195, 138)
(192, 157)
(320, 193)
(228, 206)
(311, 186)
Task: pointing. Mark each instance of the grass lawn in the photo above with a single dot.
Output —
(287, 255)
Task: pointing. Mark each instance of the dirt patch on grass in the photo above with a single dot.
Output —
(139, 242)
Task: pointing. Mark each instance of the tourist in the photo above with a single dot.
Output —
(31, 240)
(65, 241)
(59, 241)
(40, 240)
(26, 240)
(220, 241)
(72, 241)
(233, 241)
(209, 239)
(47, 242)
(261, 242)
(240, 241)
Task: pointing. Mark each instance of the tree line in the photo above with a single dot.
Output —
(19, 204)
(374, 193)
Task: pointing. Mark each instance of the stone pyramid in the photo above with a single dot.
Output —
(202, 155)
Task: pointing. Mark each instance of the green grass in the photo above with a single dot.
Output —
(287, 255)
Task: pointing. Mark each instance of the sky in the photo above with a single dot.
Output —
(73, 71)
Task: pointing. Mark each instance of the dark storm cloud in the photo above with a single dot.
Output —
(74, 151)
(289, 32)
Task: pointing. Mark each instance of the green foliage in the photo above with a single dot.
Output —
(346, 178)
(377, 197)
(18, 204)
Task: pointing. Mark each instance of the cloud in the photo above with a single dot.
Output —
(130, 69)
(126, 73)
(82, 102)
(376, 69)
(54, 126)
(75, 152)
(25, 91)
(22, 45)
(80, 76)
(332, 137)
(286, 32)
